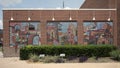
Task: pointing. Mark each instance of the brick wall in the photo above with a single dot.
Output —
(118, 22)
(43, 16)
(99, 4)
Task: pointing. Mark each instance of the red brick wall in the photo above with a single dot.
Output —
(46, 15)
(118, 22)
(99, 4)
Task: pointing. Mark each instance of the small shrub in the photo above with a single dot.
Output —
(71, 57)
(60, 60)
(49, 59)
(34, 58)
(46, 59)
(83, 59)
(115, 55)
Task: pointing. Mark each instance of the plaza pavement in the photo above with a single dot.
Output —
(14, 62)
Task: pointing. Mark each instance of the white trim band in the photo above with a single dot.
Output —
(40, 8)
(114, 9)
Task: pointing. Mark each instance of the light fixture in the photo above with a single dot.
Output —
(11, 16)
(109, 19)
(11, 19)
(53, 18)
(109, 16)
(29, 18)
(93, 16)
(70, 18)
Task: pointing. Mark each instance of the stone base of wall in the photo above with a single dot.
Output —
(11, 52)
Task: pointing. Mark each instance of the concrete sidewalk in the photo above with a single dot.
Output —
(16, 63)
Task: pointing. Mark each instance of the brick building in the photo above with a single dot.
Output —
(95, 22)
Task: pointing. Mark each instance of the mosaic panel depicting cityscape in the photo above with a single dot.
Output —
(25, 33)
(98, 32)
(62, 33)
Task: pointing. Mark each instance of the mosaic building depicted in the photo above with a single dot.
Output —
(95, 22)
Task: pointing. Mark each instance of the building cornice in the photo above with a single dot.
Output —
(114, 9)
